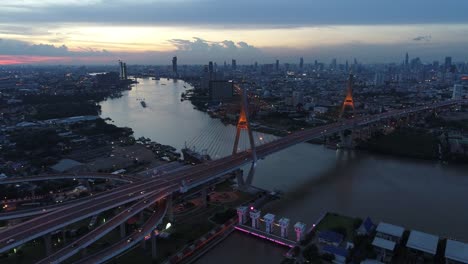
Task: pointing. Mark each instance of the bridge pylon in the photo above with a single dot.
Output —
(348, 104)
(243, 124)
(347, 111)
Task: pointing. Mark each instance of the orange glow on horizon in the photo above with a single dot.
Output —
(29, 59)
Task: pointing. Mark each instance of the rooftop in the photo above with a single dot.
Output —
(423, 242)
(331, 236)
(457, 251)
(65, 164)
(335, 250)
(384, 243)
(390, 229)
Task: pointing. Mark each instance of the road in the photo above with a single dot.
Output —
(181, 180)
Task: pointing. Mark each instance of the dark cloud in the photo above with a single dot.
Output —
(16, 47)
(423, 38)
(258, 13)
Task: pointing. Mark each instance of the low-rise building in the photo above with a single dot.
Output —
(389, 232)
(456, 252)
(421, 243)
(366, 227)
(340, 254)
(330, 238)
(384, 249)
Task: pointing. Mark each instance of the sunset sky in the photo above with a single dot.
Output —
(152, 31)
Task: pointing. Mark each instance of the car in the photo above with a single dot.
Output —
(145, 201)
(129, 210)
(130, 194)
(129, 240)
(11, 240)
(74, 245)
(142, 192)
(140, 229)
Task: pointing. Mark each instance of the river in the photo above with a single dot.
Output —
(421, 195)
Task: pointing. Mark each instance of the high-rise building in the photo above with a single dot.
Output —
(277, 65)
(123, 70)
(457, 92)
(210, 67)
(333, 64)
(406, 60)
(347, 67)
(301, 63)
(234, 64)
(448, 63)
(174, 65)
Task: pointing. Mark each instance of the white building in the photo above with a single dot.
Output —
(456, 252)
(389, 232)
(420, 242)
(457, 92)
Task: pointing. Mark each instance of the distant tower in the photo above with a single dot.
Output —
(210, 67)
(277, 65)
(347, 67)
(448, 63)
(348, 103)
(125, 71)
(301, 63)
(406, 60)
(234, 64)
(174, 65)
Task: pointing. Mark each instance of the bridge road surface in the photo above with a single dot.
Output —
(95, 234)
(50, 208)
(202, 173)
(124, 244)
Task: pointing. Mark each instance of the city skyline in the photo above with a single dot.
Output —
(152, 32)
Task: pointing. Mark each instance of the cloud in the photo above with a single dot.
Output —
(221, 13)
(17, 47)
(423, 38)
(201, 50)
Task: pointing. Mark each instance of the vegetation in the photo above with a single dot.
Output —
(409, 142)
(222, 217)
(101, 127)
(338, 223)
(311, 254)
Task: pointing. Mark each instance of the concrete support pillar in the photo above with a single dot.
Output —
(143, 244)
(141, 217)
(64, 236)
(122, 230)
(170, 210)
(84, 252)
(154, 252)
(204, 196)
(48, 244)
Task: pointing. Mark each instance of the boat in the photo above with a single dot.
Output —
(143, 103)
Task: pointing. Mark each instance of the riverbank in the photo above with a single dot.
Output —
(404, 141)
(313, 177)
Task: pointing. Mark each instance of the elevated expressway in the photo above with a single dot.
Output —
(183, 180)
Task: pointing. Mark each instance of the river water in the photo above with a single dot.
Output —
(421, 195)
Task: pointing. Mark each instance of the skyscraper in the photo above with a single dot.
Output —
(406, 60)
(174, 65)
(210, 67)
(234, 64)
(123, 70)
(301, 63)
(277, 65)
(448, 63)
(347, 67)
